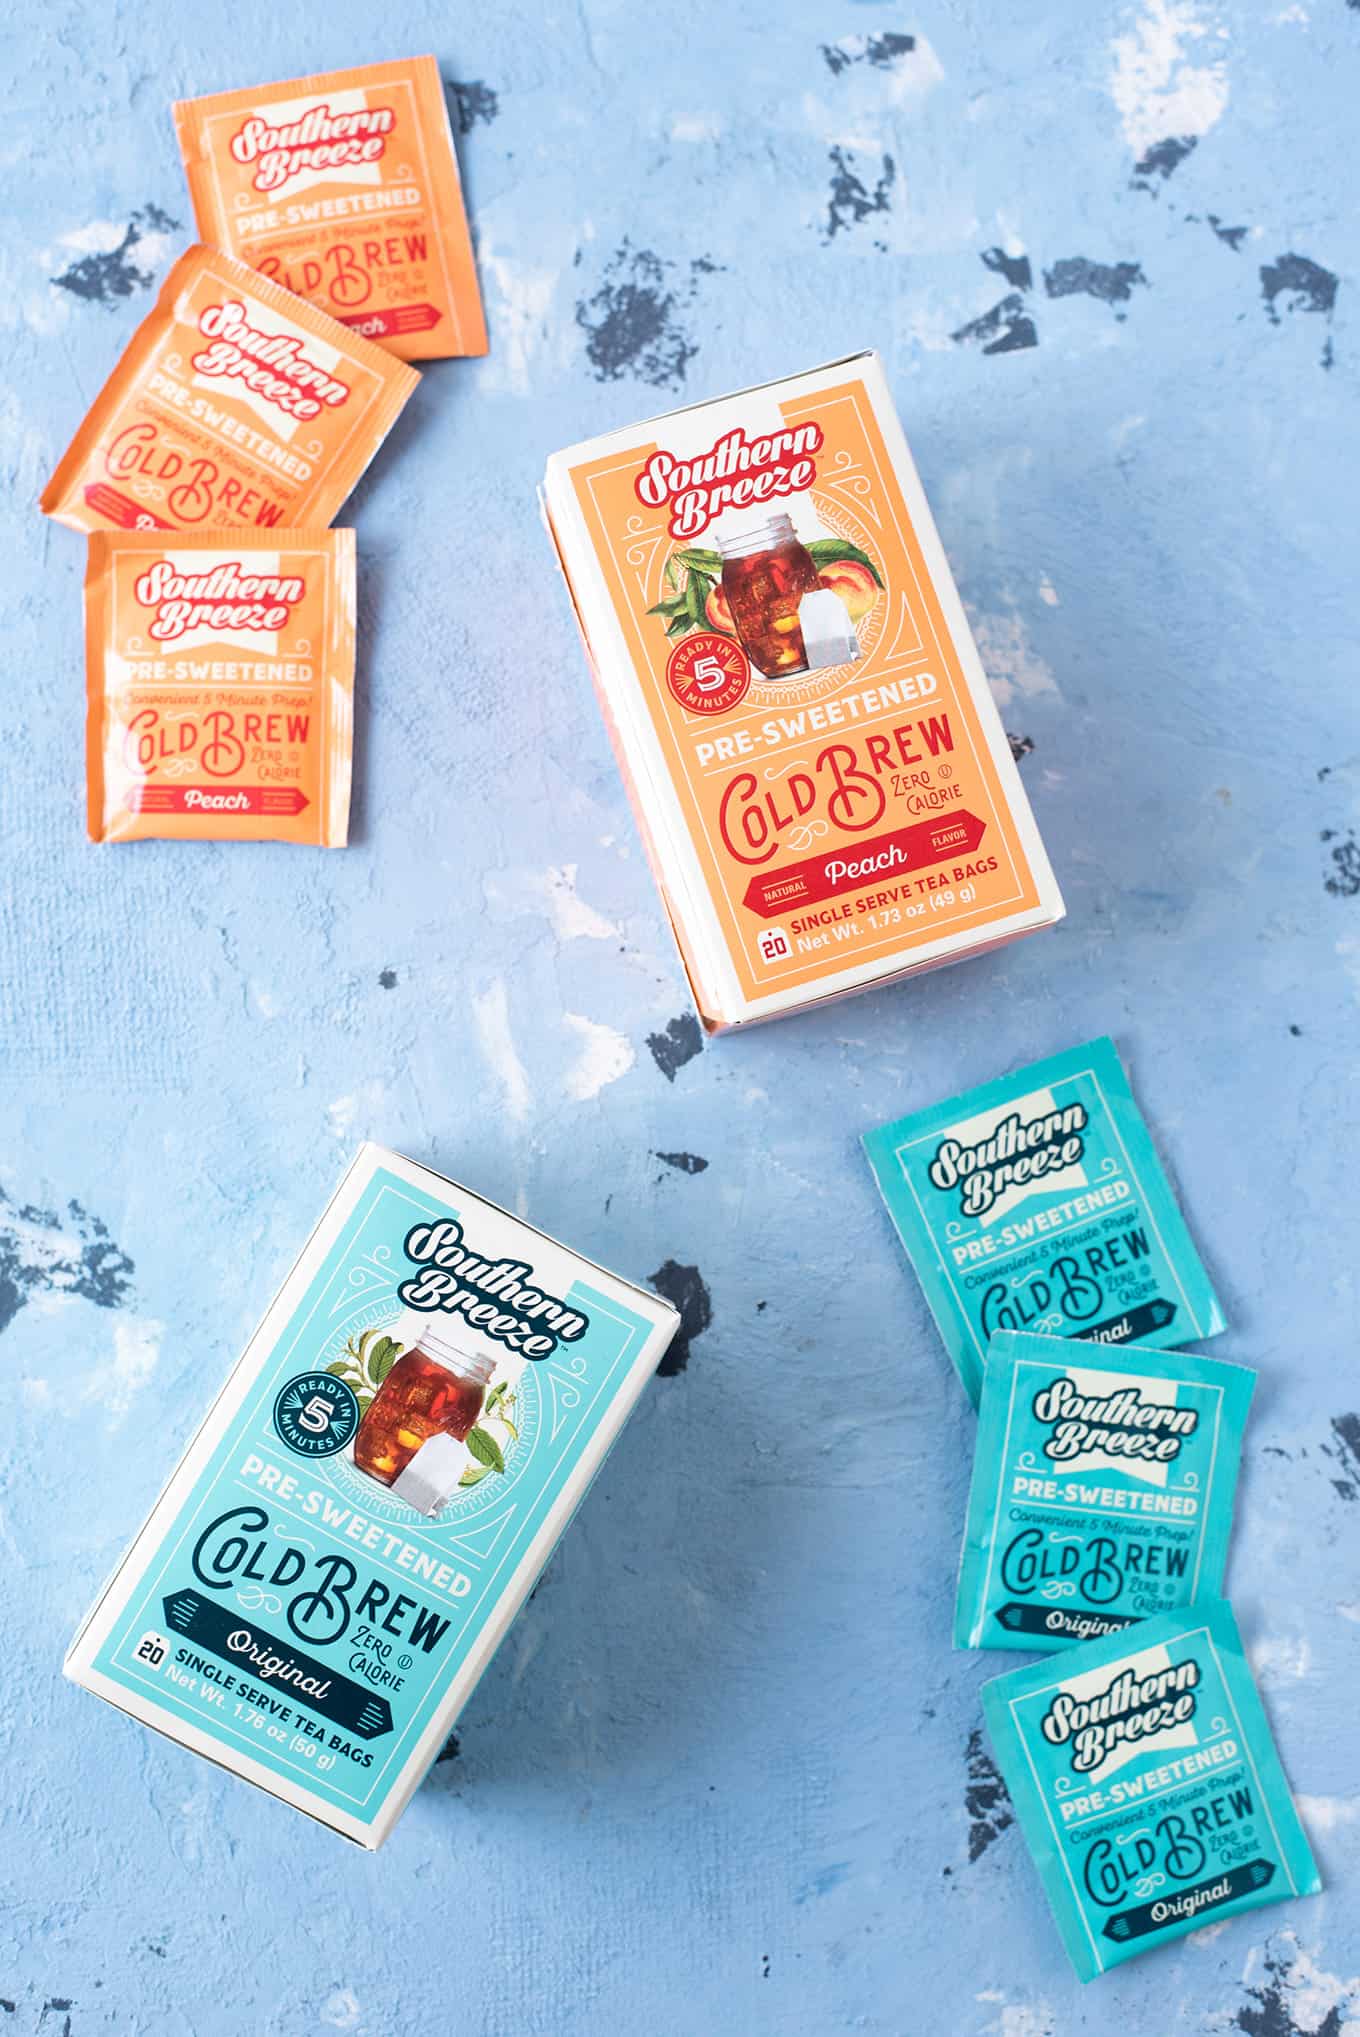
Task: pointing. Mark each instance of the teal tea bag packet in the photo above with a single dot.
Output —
(1102, 1491)
(1038, 1203)
(1147, 1785)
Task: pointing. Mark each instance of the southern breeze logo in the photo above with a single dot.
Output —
(271, 365)
(1015, 1153)
(1120, 1424)
(224, 598)
(735, 474)
(321, 140)
(496, 1296)
(1102, 1726)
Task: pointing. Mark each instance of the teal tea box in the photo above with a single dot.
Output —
(1147, 1785)
(1103, 1484)
(372, 1495)
(1038, 1203)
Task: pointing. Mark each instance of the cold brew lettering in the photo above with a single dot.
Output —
(241, 1546)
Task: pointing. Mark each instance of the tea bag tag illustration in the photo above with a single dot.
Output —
(430, 1479)
(829, 636)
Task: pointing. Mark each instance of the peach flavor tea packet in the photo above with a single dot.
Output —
(344, 187)
(220, 682)
(816, 766)
(235, 404)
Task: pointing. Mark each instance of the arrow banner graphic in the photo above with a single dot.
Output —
(262, 799)
(401, 318)
(121, 509)
(1190, 1902)
(848, 868)
(1132, 1324)
(248, 1647)
(1078, 1626)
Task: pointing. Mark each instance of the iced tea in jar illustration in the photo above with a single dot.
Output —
(766, 572)
(435, 1389)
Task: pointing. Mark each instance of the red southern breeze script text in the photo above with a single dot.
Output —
(738, 472)
(321, 140)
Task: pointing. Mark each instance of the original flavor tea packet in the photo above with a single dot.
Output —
(344, 188)
(1147, 1785)
(816, 766)
(219, 669)
(235, 403)
(1038, 1203)
(1102, 1491)
(372, 1495)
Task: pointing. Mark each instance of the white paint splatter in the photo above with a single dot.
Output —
(491, 1016)
(1281, 1658)
(1048, 593)
(605, 1056)
(551, 893)
(341, 2009)
(1295, 13)
(265, 1002)
(1014, 669)
(522, 308)
(696, 127)
(102, 236)
(1314, 1999)
(46, 310)
(1159, 91)
(136, 1353)
(932, 330)
(1325, 1814)
(1348, 954)
(1018, 2019)
(362, 1107)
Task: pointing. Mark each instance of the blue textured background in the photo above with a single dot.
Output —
(725, 1774)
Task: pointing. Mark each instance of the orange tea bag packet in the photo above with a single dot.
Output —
(219, 672)
(344, 188)
(234, 404)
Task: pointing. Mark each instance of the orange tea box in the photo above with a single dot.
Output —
(234, 404)
(344, 188)
(816, 765)
(220, 681)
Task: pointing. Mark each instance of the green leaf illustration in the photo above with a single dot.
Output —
(706, 562)
(342, 1369)
(696, 594)
(825, 551)
(474, 1474)
(385, 1355)
(485, 1449)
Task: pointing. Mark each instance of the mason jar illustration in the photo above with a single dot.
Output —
(435, 1389)
(767, 571)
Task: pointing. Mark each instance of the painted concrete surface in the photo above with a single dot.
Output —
(727, 1773)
